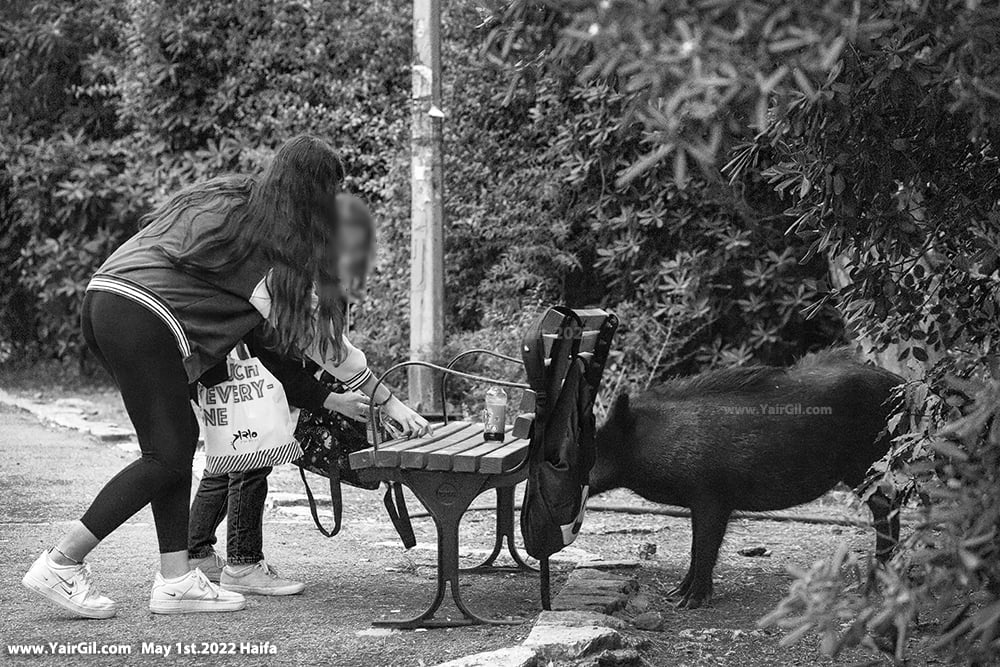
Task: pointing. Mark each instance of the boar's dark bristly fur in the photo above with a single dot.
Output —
(750, 438)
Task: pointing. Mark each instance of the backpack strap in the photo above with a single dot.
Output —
(395, 505)
(533, 355)
(540, 368)
(565, 347)
(602, 347)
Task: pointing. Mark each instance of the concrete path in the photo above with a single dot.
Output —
(48, 477)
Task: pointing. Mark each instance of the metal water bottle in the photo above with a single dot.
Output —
(495, 414)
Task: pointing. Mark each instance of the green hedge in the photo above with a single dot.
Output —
(120, 103)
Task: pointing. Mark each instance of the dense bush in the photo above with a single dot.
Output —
(59, 198)
(876, 123)
(119, 103)
(701, 277)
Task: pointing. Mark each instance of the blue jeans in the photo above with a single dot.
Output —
(238, 497)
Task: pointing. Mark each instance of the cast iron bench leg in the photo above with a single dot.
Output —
(505, 531)
(446, 499)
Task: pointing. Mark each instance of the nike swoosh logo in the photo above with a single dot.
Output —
(67, 586)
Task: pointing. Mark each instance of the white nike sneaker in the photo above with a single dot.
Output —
(190, 594)
(211, 565)
(258, 579)
(69, 586)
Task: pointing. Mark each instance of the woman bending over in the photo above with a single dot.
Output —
(214, 262)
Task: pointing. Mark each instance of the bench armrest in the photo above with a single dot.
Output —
(426, 364)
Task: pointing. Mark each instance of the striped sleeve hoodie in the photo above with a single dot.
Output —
(207, 313)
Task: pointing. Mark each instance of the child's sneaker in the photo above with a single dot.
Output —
(69, 586)
(211, 565)
(258, 579)
(190, 594)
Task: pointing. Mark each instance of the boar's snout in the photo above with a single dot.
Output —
(610, 442)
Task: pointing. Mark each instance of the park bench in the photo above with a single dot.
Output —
(448, 470)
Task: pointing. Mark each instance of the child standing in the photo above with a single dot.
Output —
(239, 497)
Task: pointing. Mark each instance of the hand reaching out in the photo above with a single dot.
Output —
(351, 404)
(413, 424)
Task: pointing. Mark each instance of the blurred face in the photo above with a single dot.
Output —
(354, 250)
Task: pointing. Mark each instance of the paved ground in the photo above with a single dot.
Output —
(48, 475)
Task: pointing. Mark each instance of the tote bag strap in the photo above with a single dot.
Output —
(336, 499)
(241, 351)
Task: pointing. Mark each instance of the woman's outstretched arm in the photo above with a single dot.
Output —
(353, 371)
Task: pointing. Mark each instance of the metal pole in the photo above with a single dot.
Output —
(426, 218)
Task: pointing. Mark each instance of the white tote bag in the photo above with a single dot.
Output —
(246, 418)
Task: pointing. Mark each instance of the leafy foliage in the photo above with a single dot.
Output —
(876, 125)
(63, 193)
(948, 572)
(162, 94)
(117, 104)
(699, 277)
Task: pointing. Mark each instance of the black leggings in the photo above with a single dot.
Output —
(139, 352)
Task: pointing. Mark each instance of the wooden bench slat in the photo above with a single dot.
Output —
(552, 319)
(592, 318)
(361, 460)
(416, 457)
(389, 454)
(441, 459)
(588, 340)
(468, 461)
(366, 457)
(522, 425)
(440, 431)
(503, 459)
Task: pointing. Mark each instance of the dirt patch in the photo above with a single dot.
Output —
(746, 588)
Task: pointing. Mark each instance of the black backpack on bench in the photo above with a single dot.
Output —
(561, 451)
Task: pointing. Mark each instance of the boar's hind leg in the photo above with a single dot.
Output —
(886, 515)
(708, 527)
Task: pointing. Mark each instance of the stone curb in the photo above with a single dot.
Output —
(579, 630)
(596, 590)
(72, 414)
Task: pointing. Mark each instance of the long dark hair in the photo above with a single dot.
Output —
(289, 215)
